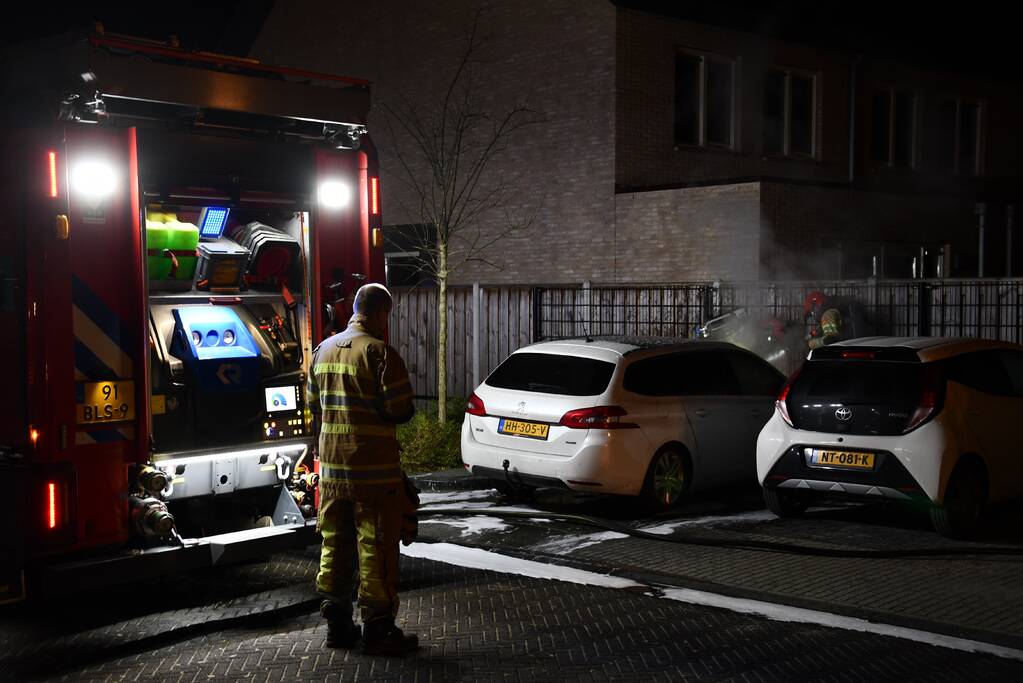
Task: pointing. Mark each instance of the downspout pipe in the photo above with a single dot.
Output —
(852, 116)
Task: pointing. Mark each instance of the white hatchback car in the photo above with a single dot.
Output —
(634, 416)
(908, 419)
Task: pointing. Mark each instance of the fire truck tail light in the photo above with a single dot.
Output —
(335, 194)
(94, 179)
(51, 509)
(53, 174)
(374, 196)
(33, 436)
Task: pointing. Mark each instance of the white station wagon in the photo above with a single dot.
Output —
(646, 417)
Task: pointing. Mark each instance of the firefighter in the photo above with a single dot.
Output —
(833, 318)
(358, 391)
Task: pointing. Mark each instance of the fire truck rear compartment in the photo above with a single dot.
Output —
(227, 249)
(227, 374)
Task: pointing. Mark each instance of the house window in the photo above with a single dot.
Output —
(954, 140)
(408, 255)
(968, 152)
(704, 101)
(789, 113)
(893, 129)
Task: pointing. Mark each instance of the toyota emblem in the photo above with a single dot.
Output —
(843, 414)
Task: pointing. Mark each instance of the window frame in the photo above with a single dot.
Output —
(703, 102)
(788, 73)
(978, 136)
(893, 92)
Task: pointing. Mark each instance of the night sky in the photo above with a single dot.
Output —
(229, 27)
(982, 42)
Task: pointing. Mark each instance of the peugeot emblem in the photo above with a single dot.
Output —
(522, 408)
(843, 414)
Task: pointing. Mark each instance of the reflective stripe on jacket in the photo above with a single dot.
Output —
(358, 391)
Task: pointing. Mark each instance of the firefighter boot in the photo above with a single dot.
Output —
(341, 630)
(387, 640)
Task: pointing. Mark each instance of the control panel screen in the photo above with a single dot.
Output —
(281, 399)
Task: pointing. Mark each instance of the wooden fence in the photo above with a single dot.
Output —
(485, 324)
(482, 330)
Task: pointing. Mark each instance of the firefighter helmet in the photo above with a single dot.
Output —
(813, 302)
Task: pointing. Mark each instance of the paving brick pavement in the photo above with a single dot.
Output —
(978, 597)
(139, 615)
(484, 626)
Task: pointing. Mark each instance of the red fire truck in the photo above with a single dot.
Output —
(176, 229)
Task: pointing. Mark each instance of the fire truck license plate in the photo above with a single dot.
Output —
(107, 402)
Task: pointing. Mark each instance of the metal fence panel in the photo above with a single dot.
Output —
(513, 316)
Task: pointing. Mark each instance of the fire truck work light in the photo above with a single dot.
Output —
(212, 221)
(335, 194)
(53, 174)
(52, 508)
(94, 179)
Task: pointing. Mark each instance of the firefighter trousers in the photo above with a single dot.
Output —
(359, 557)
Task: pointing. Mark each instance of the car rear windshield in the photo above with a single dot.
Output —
(548, 373)
(857, 382)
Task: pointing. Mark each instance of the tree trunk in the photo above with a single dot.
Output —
(442, 331)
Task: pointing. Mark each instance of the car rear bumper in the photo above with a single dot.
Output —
(606, 462)
(908, 467)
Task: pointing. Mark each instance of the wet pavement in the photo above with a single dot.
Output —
(504, 589)
(945, 586)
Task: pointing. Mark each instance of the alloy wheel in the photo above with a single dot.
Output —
(669, 478)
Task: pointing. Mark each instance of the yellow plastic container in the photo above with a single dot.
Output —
(182, 239)
(157, 235)
(167, 242)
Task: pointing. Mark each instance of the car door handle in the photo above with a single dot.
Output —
(700, 412)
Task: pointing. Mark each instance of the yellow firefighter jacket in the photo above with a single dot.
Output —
(358, 390)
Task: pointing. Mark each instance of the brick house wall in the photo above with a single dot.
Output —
(621, 202)
(698, 233)
(556, 56)
(645, 149)
(815, 232)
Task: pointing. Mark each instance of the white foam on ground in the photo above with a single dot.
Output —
(475, 524)
(710, 520)
(476, 558)
(475, 506)
(568, 544)
(428, 497)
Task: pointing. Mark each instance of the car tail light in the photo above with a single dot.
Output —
(51, 505)
(858, 355)
(600, 417)
(475, 406)
(932, 398)
(781, 404)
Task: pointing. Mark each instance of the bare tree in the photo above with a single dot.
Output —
(445, 152)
